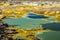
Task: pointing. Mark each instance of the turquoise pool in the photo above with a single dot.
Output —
(27, 22)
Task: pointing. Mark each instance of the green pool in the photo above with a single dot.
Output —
(49, 35)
